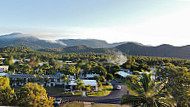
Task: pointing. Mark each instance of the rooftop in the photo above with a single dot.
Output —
(91, 75)
(86, 82)
(123, 74)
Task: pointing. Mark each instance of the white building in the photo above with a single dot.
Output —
(21, 79)
(28, 60)
(123, 74)
(42, 63)
(90, 76)
(93, 83)
(4, 68)
(16, 60)
(3, 74)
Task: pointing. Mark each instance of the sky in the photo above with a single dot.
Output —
(150, 22)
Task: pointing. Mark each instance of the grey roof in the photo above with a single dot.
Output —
(91, 75)
(3, 74)
(123, 74)
(86, 82)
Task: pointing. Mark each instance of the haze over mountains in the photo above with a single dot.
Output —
(92, 45)
(18, 39)
(31, 41)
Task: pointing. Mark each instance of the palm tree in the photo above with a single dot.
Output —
(65, 79)
(77, 71)
(88, 88)
(147, 93)
(80, 84)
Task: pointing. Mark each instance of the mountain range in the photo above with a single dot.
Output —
(92, 45)
(31, 41)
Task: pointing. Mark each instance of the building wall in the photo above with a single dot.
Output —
(4, 68)
(18, 82)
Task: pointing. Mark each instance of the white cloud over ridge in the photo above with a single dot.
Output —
(171, 29)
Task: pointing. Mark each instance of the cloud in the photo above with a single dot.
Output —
(170, 28)
(59, 42)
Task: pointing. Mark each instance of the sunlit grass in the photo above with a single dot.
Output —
(74, 104)
(106, 89)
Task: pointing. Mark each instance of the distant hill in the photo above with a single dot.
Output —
(92, 45)
(24, 40)
(89, 42)
(15, 49)
(78, 49)
(164, 50)
(31, 41)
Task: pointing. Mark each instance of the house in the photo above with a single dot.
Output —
(28, 60)
(69, 62)
(123, 74)
(4, 68)
(44, 80)
(3, 74)
(42, 63)
(16, 60)
(60, 61)
(91, 76)
(126, 70)
(2, 60)
(73, 84)
(153, 69)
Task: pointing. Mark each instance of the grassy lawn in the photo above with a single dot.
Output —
(74, 104)
(83, 104)
(109, 105)
(56, 91)
(106, 89)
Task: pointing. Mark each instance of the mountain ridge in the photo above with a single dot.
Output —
(93, 45)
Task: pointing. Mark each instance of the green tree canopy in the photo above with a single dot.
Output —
(147, 93)
(34, 95)
(7, 95)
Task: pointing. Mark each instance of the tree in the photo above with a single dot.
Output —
(147, 93)
(100, 70)
(71, 69)
(178, 83)
(102, 78)
(33, 62)
(88, 88)
(80, 84)
(97, 78)
(65, 79)
(78, 70)
(35, 95)
(87, 69)
(11, 60)
(7, 95)
(99, 83)
(109, 77)
(115, 68)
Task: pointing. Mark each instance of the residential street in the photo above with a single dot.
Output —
(114, 97)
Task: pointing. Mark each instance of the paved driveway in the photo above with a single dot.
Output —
(114, 97)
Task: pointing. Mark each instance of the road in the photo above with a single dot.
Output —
(114, 97)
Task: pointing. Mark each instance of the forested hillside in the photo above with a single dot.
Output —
(164, 50)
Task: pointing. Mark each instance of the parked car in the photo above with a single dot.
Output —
(58, 101)
(118, 87)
